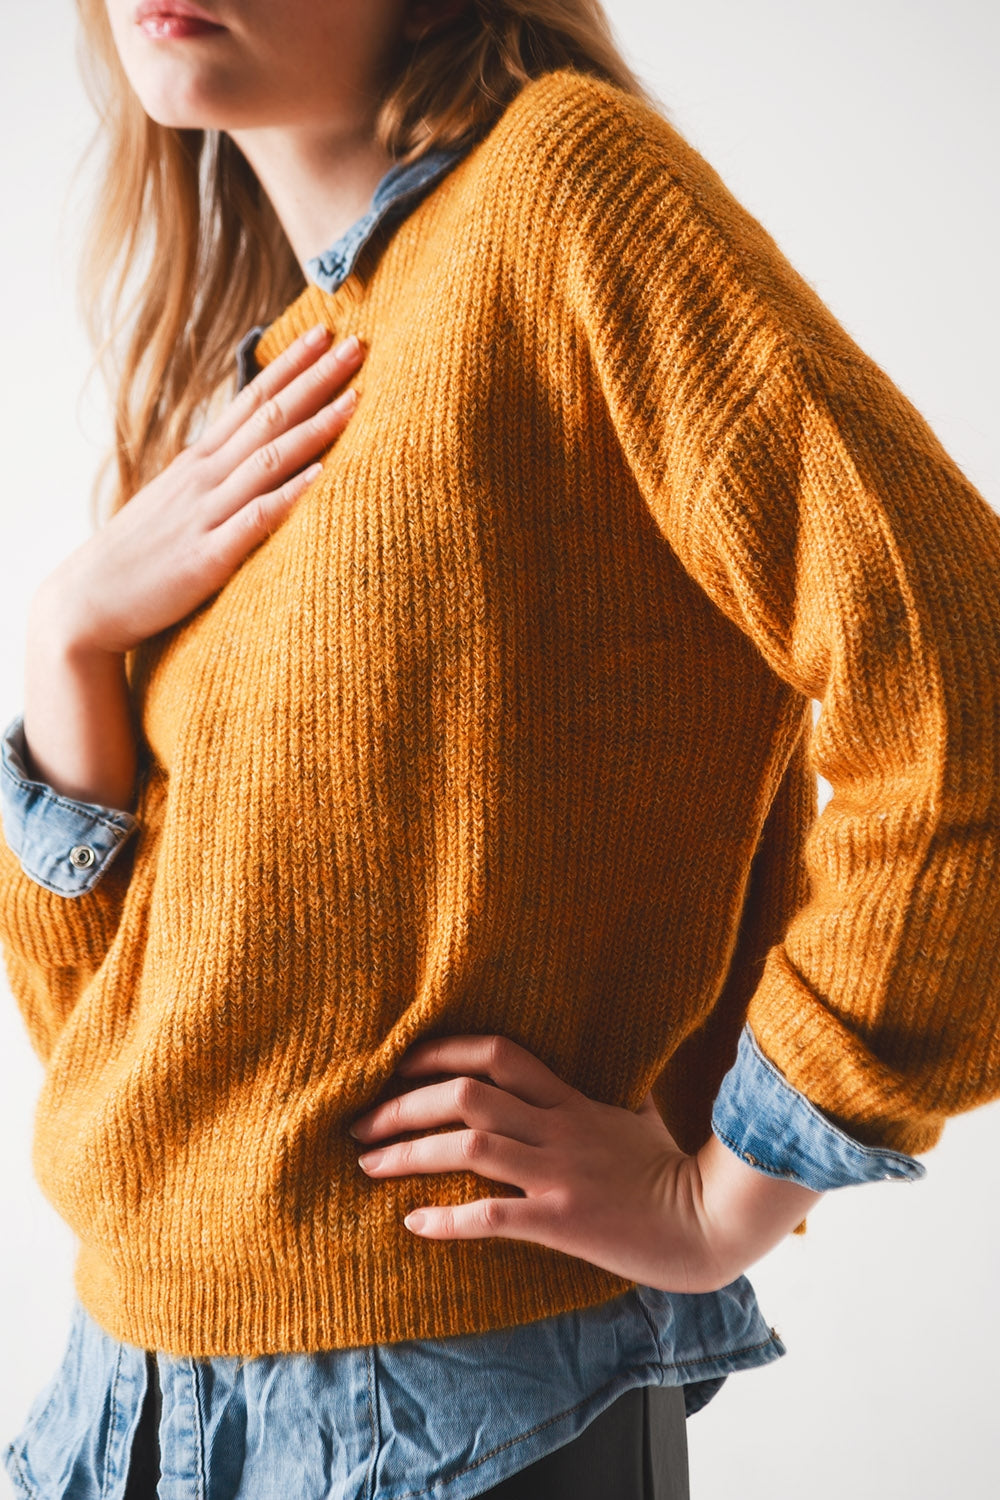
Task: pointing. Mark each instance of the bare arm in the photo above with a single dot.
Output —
(77, 716)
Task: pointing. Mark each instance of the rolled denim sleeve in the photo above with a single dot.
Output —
(768, 1123)
(63, 844)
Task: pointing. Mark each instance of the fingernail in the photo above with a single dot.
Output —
(416, 1220)
(370, 1159)
(318, 335)
(348, 347)
(310, 474)
(347, 400)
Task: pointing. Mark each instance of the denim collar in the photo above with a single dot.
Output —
(398, 191)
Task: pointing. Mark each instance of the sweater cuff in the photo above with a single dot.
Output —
(61, 843)
(768, 1123)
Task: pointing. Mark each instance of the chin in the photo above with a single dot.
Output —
(187, 112)
(183, 97)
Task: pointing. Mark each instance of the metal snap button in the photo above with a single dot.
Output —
(81, 856)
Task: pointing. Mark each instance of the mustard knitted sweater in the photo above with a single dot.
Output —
(508, 729)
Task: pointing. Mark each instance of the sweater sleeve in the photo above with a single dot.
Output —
(63, 881)
(814, 506)
(832, 527)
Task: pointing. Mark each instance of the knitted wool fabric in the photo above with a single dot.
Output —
(508, 729)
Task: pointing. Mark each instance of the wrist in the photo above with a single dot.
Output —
(62, 628)
(746, 1212)
(79, 737)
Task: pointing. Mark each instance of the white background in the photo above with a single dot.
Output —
(864, 136)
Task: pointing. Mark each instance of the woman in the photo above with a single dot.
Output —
(434, 774)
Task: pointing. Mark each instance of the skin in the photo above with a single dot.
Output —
(296, 85)
(606, 1184)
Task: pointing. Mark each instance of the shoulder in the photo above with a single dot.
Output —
(609, 180)
(568, 124)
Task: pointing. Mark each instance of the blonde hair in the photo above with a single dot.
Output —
(182, 209)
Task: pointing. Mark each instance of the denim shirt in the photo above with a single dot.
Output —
(394, 1421)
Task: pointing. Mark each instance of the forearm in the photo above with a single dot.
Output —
(78, 724)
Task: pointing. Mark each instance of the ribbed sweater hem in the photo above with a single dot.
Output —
(445, 1288)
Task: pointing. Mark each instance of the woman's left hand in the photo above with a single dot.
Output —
(603, 1183)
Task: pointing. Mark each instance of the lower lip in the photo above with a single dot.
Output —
(174, 28)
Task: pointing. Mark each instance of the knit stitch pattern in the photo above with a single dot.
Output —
(508, 729)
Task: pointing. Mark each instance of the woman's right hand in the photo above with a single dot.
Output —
(173, 545)
(181, 536)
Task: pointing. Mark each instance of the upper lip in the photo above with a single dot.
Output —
(147, 8)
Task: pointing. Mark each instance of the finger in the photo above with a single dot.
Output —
(468, 1100)
(505, 1061)
(269, 467)
(479, 1151)
(307, 396)
(305, 351)
(236, 538)
(486, 1218)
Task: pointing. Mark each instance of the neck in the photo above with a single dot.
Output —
(318, 183)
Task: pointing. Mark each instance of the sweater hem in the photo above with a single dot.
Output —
(468, 1286)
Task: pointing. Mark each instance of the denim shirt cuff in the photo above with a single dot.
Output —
(768, 1123)
(62, 844)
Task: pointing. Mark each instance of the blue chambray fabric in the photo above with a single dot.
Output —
(436, 1417)
(774, 1127)
(443, 1417)
(399, 190)
(44, 829)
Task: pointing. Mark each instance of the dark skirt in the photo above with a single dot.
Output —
(636, 1449)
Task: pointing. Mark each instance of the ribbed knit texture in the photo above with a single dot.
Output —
(507, 728)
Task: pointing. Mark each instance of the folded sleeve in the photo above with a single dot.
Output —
(63, 844)
(810, 500)
(781, 1133)
(65, 869)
